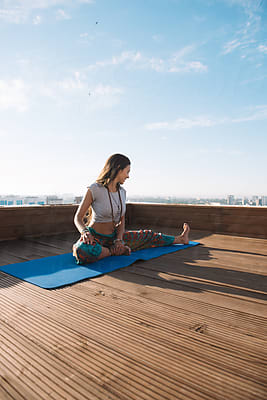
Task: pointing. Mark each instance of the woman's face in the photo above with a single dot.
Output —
(124, 174)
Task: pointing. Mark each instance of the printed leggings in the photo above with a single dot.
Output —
(136, 240)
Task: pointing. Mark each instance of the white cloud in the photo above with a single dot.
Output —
(245, 37)
(124, 57)
(256, 113)
(232, 45)
(127, 56)
(62, 15)
(14, 94)
(132, 59)
(180, 54)
(71, 84)
(258, 78)
(262, 48)
(181, 123)
(13, 15)
(19, 11)
(19, 95)
(106, 90)
(75, 89)
(37, 20)
(193, 66)
(104, 96)
(65, 89)
(233, 153)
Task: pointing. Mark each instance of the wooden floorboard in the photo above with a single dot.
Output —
(187, 325)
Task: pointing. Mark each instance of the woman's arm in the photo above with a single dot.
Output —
(78, 219)
(121, 228)
(119, 245)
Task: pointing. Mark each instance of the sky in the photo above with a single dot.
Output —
(178, 86)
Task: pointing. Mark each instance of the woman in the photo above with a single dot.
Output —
(104, 235)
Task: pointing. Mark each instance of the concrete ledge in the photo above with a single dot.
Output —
(19, 222)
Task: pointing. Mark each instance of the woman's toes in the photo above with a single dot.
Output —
(186, 227)
(185, 233)
(127, 251)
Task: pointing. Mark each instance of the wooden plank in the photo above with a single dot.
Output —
(234, 314)
(140, 341)
(173, 318)
(45, 374)
(99, 293)
(12, 388)
(87, 355)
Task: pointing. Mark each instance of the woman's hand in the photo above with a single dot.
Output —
(120, 248)
(87, 237)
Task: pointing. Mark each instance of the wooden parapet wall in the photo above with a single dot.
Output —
(245, 221)
(18, 222)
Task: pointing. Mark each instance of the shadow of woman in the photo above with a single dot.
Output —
(195, 270)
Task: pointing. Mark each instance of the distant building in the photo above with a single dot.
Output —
(244, 201)
(30, 200)
(53, 200)
(230, 199)
(78, 199)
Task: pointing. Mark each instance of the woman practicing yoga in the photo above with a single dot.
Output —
(100, 218)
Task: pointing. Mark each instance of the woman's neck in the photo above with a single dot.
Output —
(112, 186)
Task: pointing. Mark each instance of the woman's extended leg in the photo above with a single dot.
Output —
(143, 239)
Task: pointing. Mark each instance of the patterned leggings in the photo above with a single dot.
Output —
(136, 240)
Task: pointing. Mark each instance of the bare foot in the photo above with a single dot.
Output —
(127, 251)
(184, 237)
(118, 252)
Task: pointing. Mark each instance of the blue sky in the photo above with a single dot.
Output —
(178, 86)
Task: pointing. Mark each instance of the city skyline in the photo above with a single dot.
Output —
(177, 86)
(68, 198)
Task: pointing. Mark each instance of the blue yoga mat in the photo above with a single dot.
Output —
(53, 272)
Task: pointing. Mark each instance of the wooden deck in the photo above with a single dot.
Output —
(187, 325)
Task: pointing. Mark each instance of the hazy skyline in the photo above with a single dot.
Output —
(177, 86)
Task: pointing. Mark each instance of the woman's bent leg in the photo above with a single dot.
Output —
(88, 253)
(144, 239)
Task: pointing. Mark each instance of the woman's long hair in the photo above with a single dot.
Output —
(113, 165)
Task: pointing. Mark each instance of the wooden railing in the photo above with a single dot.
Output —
(247, 221)
(18, 222)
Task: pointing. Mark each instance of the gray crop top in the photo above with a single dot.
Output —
(101, 208)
